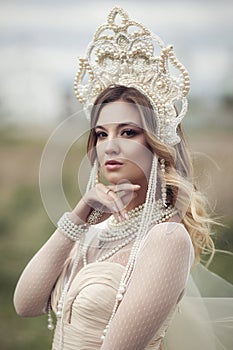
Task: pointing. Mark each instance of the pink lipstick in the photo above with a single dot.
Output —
(113, 165)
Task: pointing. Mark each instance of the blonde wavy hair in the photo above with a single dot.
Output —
(181, 190)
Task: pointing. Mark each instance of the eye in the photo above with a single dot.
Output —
(100, 134)
(129, 132)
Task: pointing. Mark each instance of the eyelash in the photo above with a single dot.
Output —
(99, 134)
(129, 133)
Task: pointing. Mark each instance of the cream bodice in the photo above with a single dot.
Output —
(89, 305)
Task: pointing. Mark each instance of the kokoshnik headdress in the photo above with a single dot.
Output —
(125, 54)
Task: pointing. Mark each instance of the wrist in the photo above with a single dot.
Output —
(76, 219)
(71, 229)
(80, 213)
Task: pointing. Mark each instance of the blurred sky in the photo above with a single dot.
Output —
(41, 39)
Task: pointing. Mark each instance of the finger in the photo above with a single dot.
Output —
(124, 187)
(103, 200)
(119, 205)
(125, 192)
(114, 203)
(110, 200)
(109, 207)
(108, 190)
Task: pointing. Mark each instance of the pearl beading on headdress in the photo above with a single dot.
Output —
(121, 54)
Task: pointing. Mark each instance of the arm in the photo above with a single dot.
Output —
(158, 279)
(37, 280)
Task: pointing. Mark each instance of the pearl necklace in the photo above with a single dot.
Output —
(117, 230)
(127, 229)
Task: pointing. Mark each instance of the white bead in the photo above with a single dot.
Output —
(119, 296)
(122, 289)
(59, 313)
(50, 327)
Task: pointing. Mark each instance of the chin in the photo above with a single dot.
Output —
(114, 178)
(134, 176)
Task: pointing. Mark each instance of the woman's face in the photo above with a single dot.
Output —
(121, 146)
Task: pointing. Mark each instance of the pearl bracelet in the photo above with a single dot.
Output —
(71, 230)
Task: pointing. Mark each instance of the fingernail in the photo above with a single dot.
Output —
(137, 186)
(119, 218)
(126, 216)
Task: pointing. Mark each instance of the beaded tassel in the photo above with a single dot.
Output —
(93, 176)
(60, 305)
(50, 319)
(163, 183)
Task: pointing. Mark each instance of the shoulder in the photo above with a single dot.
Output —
(172, 235)
(167, 246)
(169, 231)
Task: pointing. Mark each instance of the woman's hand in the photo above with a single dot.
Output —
(112, 199)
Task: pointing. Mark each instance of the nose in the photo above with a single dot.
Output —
(112, 146)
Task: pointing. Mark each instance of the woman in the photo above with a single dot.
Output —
(117, 266)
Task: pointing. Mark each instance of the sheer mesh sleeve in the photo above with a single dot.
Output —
(37, 280)
(156, 285)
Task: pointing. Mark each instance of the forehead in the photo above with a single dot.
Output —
(119, 112)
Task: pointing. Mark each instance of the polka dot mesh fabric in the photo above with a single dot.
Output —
(156, 285)
(37, 280)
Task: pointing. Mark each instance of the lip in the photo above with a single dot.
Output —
(113, 164)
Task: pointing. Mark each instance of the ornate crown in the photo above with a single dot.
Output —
(126, 54)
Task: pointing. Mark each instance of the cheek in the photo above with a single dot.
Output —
(141, 158)
(100, 151)
(137, 155)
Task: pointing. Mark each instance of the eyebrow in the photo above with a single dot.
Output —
(119, 126)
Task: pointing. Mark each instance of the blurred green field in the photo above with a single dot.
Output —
(24, 224)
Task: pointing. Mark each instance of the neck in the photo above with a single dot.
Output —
(140, 198)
